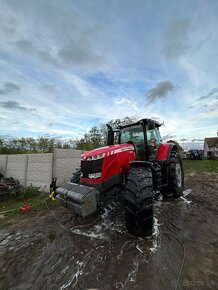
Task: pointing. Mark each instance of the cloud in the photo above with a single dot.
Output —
(9, 88)
(67, 59)
(49, 88)
(197, 140)
(78, 54)
(23, 45)
(213, 93)
(48, 57)
(124, 102)
(168, 137)
(210, 100)
(175, 39)
(13, 105)
(161, 90)
(6, 136)
(52, 33)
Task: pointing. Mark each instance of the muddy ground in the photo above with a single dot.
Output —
(54, 250)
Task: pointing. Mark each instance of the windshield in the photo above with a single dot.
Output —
(133, 134)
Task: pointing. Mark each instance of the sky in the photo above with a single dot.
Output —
(66, 66)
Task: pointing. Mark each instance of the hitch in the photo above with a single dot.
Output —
(53, 185)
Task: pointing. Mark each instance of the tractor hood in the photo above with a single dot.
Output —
(106, 151)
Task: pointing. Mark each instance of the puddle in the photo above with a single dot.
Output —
(185, 200)
(155, 236)
(186, 193)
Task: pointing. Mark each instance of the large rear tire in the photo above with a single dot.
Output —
(139, 201)
(174, 176)
(76, 176)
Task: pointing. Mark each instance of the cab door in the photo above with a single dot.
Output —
(153, 141)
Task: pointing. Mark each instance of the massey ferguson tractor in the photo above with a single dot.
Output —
(133, 171)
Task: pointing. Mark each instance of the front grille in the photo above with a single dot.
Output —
(92, 166)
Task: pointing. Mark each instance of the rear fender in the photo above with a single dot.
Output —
(153, 165)
(156, 171)
(164, 151)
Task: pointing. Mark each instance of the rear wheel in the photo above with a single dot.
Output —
(174, 176)
(76, 176)
(139, 201)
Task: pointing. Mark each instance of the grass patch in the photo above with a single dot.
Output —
(200, 166)
(24, 195)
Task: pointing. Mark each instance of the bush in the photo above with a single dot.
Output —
(28, 191)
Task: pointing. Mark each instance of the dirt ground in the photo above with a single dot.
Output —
(54, 250)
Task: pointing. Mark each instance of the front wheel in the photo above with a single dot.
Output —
(174, 176)
(139, 201)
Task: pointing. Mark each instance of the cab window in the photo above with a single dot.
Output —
(135, 135)
(154, 140)
(153, 134)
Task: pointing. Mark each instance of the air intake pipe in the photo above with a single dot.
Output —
(110, 135)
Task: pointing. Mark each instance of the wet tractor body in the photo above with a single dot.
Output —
(131, 172)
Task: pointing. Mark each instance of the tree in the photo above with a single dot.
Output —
(97, 136)
(65, 146)
(45, 144)
(94, 138)
(114, 124)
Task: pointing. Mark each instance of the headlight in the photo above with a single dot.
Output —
(95, 175)
(96, 157)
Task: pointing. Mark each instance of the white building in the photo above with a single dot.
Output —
(211, 145)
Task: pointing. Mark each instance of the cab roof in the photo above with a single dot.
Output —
(141, 121)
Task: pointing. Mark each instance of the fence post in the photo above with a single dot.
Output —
(25, 169)
(6, 165)
(52, 165)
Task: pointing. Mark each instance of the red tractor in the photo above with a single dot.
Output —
(134, 171)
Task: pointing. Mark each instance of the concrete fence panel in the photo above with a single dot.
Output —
(39, 170)
(3, 164)
(16, 167)
(65, 162)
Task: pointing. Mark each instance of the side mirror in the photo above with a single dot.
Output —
(151, 125)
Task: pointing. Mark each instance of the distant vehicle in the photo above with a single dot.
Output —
(185, 155)
(194, 155)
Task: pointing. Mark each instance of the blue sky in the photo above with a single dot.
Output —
(68, 65)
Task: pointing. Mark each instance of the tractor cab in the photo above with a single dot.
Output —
(144, 135)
